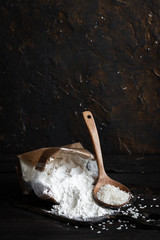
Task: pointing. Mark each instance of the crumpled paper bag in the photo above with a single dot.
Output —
(37, 159)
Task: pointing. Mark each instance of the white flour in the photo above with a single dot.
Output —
(112, 195)
(74, 190)
(71, 184)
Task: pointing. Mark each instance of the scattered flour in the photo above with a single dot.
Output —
(112, 195)
(70, 182)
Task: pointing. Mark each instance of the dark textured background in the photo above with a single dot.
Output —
(61, 57)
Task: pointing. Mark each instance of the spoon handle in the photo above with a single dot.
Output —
(89, 120)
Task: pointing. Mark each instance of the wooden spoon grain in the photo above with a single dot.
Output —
(103, 178)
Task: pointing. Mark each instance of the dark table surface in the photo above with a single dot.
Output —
(139, 173)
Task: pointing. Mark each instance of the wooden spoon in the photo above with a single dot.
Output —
(103, 178)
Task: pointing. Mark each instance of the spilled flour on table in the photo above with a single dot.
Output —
(72, 187)
(70, 182)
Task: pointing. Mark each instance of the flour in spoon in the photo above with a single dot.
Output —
(71, 184)
(112, 195)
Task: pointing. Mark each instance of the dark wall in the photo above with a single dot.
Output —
(61, 57)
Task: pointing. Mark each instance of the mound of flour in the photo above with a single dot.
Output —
(71, 184)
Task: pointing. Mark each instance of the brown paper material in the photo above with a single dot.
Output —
(38, 158)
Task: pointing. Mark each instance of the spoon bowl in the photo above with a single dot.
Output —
(107, 180)
(103, 178)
